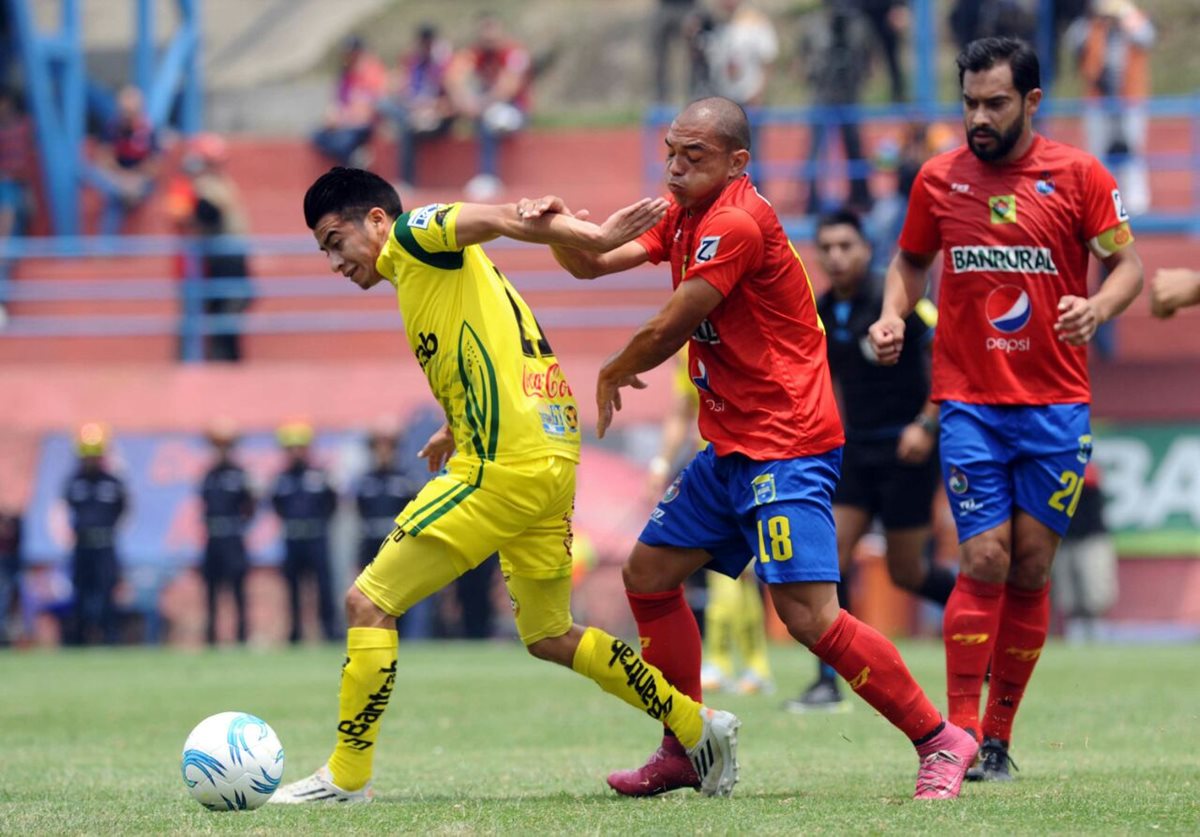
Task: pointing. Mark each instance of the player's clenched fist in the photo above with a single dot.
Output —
(1173, 288)
(1077, 320)
(887, 339)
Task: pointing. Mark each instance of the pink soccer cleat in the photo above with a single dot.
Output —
(668, 769)
(944, 762)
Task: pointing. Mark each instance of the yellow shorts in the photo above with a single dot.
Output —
(521, 511)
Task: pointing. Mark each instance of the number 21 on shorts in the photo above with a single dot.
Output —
(774, 539)
(1066, 500)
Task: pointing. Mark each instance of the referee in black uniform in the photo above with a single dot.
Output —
(889, 466)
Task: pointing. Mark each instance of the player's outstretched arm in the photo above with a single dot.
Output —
(582, 264)
(902, 290)
(658, 339)
(1079, 317)
(478, 223)
(1173, 288)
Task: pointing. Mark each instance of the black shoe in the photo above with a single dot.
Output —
(822, 696)
(994, 762)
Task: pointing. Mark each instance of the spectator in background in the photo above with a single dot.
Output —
(207, 204)
(383, 491)
(16, 175)
(889, 21)
(1173, 288)
(837, 55)
(741, 51)
(351, 117)
(972, 19)
(421, 107)
(10, 570)
(669, 25)
(489, 82)
(228, 508)
(96, 501)
(918, 142)
(1112, 49)
(126, 162)
(1084, 574)
(305, 502)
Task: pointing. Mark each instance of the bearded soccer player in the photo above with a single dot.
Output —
(1015, 215)
(510, 446)
(762, 490)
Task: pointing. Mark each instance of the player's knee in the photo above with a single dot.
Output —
(642, 576)
(554, 649)
(986, 559)
(361, 612)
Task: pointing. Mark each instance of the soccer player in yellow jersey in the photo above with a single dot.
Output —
(506, 461)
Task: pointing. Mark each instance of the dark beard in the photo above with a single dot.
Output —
(1002, 143)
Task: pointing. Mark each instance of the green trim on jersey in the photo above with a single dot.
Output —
(440, 506)
(451, 260)
(482, 410)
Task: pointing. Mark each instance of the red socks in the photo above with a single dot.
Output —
(969, 630)
(670, 637)
(873, 668)
(1023, 627)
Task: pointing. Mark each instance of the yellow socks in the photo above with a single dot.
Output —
(367, 680)
(618, 669)
(721, 615)
(752, 627)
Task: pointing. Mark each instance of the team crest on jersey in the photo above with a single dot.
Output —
(419, 219)
(764, 489)
(707, 249)
(1008, 309)
(1119, 205)
(958, 481)
(1003, 209)
(1045, 184)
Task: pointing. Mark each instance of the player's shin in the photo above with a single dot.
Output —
(670, 637)
(969, 633)
(872, 667)
(368, 677)
(618, 669)
(1024, 624)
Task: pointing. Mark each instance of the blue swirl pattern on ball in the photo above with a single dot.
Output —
(238, 729)
(205, 763)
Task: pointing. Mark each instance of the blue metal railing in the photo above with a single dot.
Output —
(188, 295)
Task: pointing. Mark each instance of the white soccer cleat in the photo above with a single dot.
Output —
(715, 757)
(319, 787)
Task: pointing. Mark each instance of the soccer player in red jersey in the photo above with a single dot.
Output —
(1015, 215)
(762, 490)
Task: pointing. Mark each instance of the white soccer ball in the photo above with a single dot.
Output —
(232, 761)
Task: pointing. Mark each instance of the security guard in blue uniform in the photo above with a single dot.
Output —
(228, 508)
(96, 499)
(305, 502)
(382, 491)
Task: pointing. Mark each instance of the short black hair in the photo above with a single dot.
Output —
(351, 193)
(985, 53)
(843, 217)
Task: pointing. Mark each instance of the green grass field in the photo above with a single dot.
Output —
(481, 738)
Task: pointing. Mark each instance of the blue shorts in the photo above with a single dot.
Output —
(779, 513)
(996, 456)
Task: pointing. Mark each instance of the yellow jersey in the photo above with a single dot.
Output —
(488, 363)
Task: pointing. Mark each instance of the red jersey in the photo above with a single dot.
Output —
(1014, 239)
(758, 360)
